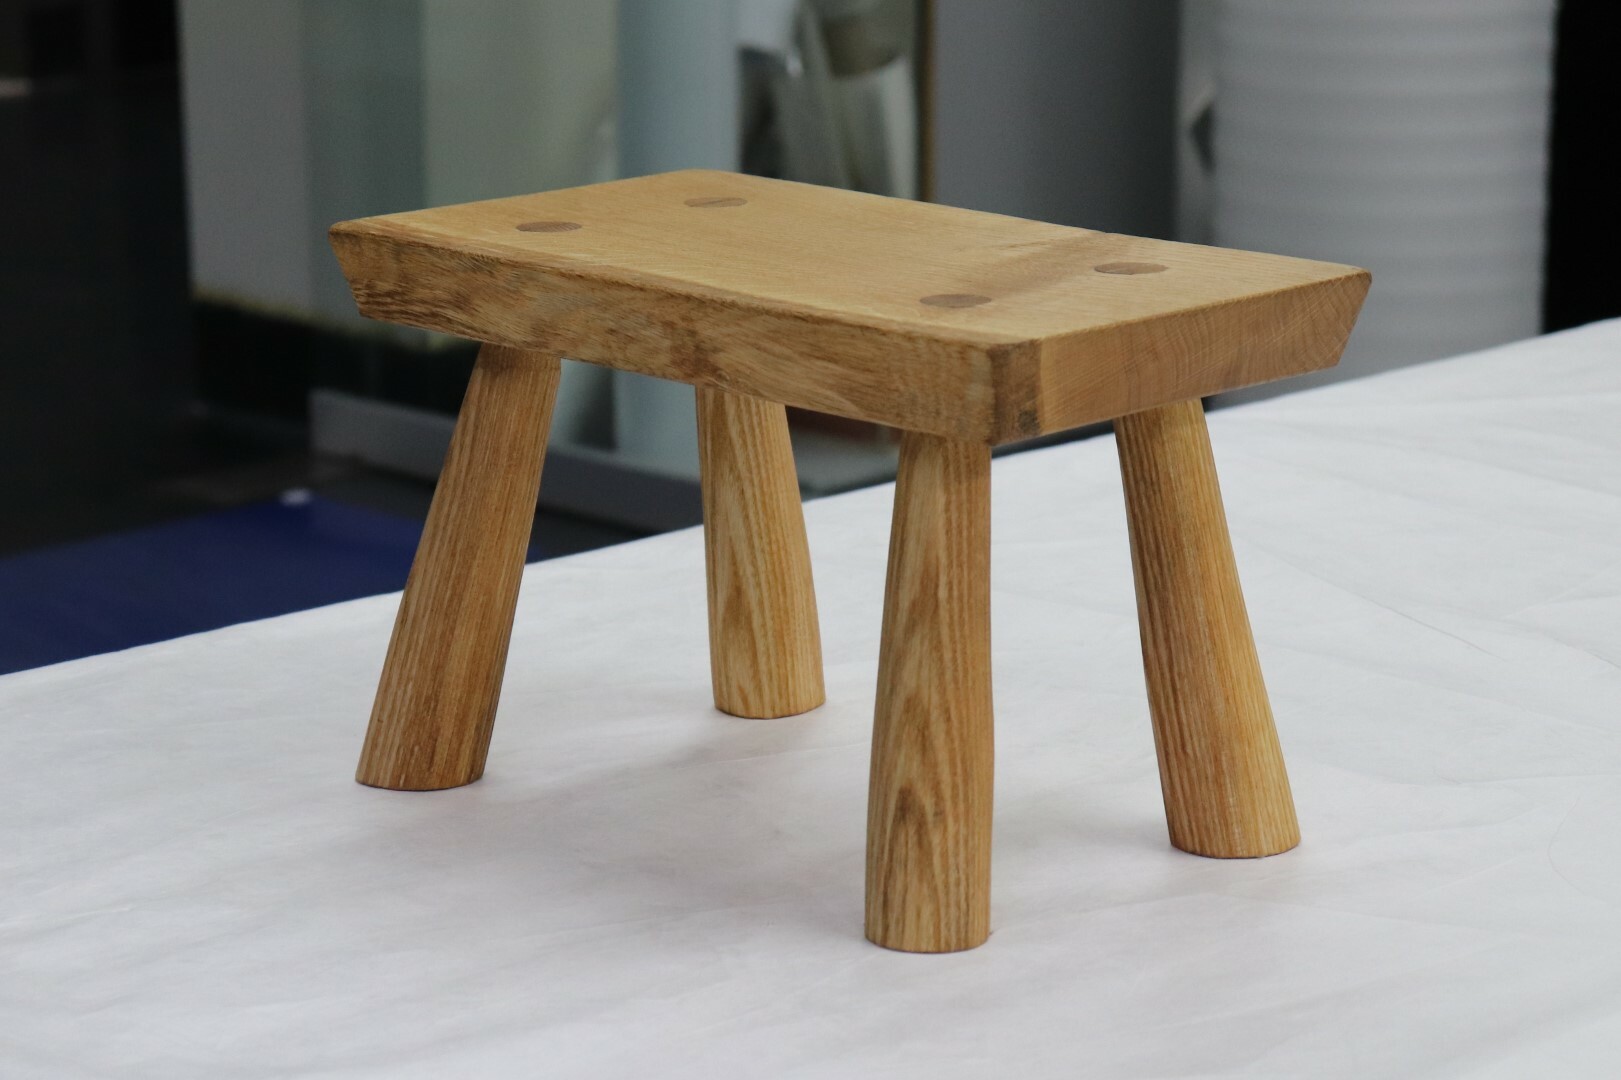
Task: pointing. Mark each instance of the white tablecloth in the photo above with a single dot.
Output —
(193, 886)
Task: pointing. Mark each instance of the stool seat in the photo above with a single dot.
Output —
(929, 318)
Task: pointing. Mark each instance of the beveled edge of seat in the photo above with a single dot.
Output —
(1099, 375)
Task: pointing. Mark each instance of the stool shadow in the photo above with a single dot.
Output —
(732, 822)
(674, 838)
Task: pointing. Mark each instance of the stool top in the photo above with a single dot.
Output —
(955, 322)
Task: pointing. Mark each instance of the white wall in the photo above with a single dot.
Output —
(300, 113)
(364, 104)
(1058, 110)
(247, 163)
(519, 96)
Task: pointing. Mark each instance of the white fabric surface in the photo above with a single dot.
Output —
(641, 887)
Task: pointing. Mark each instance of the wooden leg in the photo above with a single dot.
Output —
(765, 650)
(929, 804)
(435, 708)
(1221, 769)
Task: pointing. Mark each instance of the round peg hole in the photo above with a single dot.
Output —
(955, 300)
(549, 226)
(1128, 268)
(709, 201)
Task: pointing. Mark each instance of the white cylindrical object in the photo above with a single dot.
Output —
(1406, 136)
(679, 95)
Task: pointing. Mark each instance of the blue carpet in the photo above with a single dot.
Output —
(196, 574)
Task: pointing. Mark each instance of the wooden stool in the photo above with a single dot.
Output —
(966, 330)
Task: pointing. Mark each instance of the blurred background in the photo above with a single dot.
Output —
(196, 428)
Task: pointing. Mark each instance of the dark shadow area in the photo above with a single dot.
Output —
(1583, 281)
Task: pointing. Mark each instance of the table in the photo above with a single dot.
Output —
(641, 886)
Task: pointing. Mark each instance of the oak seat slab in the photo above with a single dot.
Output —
(953, 322)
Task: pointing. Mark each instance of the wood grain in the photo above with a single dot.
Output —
(929, 803)
(815, 298)
(435, 707)
(765, 649)
(1221, 768)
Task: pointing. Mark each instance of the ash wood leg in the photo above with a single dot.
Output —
(765, 650)
(430, 726)
(929, 803)
(1221, 769)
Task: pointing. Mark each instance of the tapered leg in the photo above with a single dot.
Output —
(1221, 769)
(765, 651)
(929, 803)
(430, 725)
